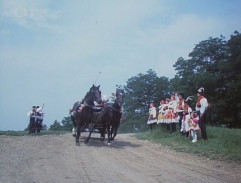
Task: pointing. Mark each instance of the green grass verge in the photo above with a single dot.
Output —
(22, 133)
(222, 143)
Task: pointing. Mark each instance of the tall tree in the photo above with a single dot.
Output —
(144, 88)
(55, 126)
(67, 124)
(231, 69)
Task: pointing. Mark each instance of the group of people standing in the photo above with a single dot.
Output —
(177, 110)
(36, 117)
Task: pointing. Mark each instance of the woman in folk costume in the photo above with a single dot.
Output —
(168, 115)
(193, 125)
(201, 108)
(186, 116)
(161, 112)
(180, 108)
(152, 116)
(173, 113)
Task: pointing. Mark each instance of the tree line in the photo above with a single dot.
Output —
(65, 125)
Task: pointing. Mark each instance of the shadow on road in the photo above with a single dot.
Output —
(117, 143)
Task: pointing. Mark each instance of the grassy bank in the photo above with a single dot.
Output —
(222, 143)
(22, 133)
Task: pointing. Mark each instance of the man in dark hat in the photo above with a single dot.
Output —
(201, 108)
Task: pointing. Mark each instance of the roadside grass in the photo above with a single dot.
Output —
(222, 143)
(22, 133)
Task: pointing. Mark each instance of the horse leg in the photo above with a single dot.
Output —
(112, 129)
(34, 126)
(114, 133)
(102, 131)
(109, 134)
(74, 125)
(91, 128)
(30, 126)
(38, 126)
(77, 136)
(74, 132)
(102, 134)
(116, 128)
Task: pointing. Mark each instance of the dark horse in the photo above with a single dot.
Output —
(84, 117)
(111, 116)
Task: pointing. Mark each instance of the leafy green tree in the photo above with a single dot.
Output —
(231, 70)
(45, 127)
(67, 124)
(184, 80)
(142, 89)
(202, 67)
(27, 129)
(55, 126)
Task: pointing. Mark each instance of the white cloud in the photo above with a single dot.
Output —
(30, 14)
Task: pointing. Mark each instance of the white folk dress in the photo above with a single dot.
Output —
(152, 116)
(185, 120)
(161, 115)
(171, 113)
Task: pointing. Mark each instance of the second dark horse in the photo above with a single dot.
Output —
(111, 115)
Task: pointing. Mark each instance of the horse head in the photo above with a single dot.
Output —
(95, 93)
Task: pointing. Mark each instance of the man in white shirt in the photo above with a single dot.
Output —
(201, 108)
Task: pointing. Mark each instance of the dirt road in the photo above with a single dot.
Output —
(55, 158)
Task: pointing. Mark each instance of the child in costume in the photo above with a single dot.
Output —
(193, 125)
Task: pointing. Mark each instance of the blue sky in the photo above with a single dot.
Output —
(52, 51)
